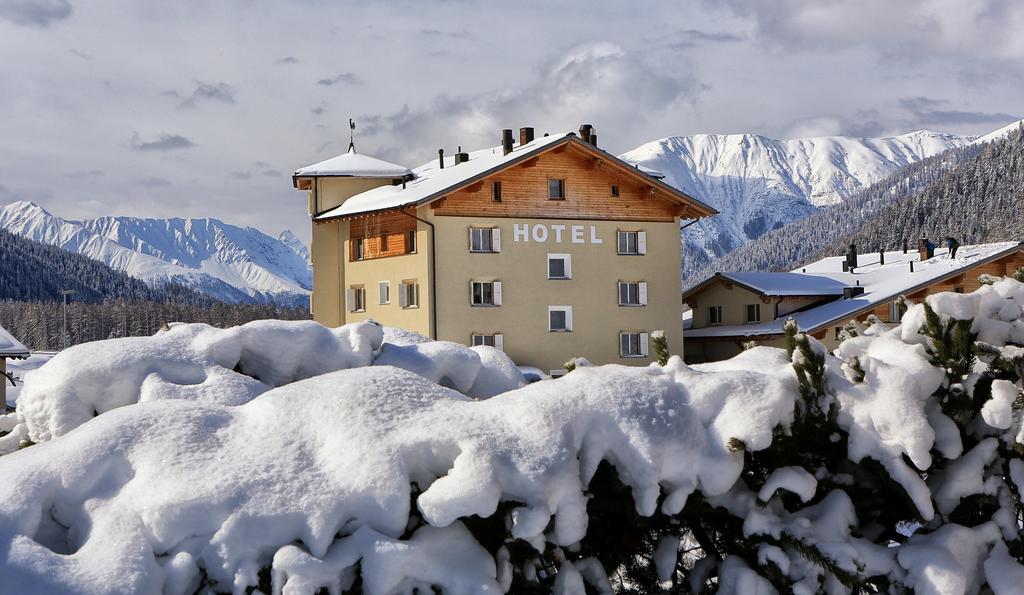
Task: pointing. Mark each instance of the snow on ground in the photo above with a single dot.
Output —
(326, 454)
(232, 366)
(20, 367)
(130, 493)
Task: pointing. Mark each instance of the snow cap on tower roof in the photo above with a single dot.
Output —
(353, 165)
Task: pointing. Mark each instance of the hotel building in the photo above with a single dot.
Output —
(547, 248)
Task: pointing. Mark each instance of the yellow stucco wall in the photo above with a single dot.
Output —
(394, 269)
(521, 266)
(733, 300)
(325, 302)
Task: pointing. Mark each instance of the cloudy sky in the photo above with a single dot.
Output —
(203, 108)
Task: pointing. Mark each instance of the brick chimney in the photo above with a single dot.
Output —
(525, 135)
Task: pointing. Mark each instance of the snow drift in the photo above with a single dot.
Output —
(315, 476)
(200, 363)
(377, 477)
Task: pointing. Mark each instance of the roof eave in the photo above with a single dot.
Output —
(462, 183)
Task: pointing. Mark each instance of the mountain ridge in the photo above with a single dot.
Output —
(227, 262)
(759, 183)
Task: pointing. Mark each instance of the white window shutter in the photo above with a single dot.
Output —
(471, 238)
(643, 292)
(351, 300)
(383, 292)
(471, 302)
(496, 239)
(499, 341)
(568, 266)
(645, 338)
(568, 319)
(403, 295)
(641, 242)
(416, 294)
(497, 293)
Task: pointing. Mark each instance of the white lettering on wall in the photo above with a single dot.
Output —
(539, 232)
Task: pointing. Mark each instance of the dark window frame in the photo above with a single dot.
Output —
(556, 186)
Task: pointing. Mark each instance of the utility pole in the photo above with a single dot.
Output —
(65, 293)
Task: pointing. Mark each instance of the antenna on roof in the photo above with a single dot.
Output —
(351, 135)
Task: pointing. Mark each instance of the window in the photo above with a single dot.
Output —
(839, 331)
(714, 315)
(958, 290)
(410, 241)
(495, 340)
(485, 293)
(559, 318)
(358, 248)
(556, 189)
(632, 242)
(753, 313)
(384, 292)
(557, 373)
(632, 294)
(615, 190)
(484, 239)
(357, 298)
(384, 242)
(496, 191)
(633, 344)
(895, 311)
(559, 266)
(409, 294)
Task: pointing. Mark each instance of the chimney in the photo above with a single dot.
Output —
(851, 257)
(525, 135)
(852, 292)
(593, 138)
(904, 245)
(585, 131)
(461, 157)
(881, 257)
(506, 140)
(923, 250)
(440, 157)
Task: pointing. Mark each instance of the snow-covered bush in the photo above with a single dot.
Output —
(201, 363)
(892, 465)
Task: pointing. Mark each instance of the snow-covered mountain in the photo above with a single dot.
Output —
(759, 184)
(227, 262)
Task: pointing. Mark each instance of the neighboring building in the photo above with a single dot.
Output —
(731, 309)
(10, 348)
(548, 248)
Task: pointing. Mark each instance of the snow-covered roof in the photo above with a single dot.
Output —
(786, 284)
(430, 181)
(353, 165)
(10, 347)
(881, 283)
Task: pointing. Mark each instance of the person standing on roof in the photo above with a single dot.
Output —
(952, 244)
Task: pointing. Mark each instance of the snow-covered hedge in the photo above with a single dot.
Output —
(891, 465)
(201, 363)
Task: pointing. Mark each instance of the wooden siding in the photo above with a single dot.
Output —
(588, 192)
(383, 235)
